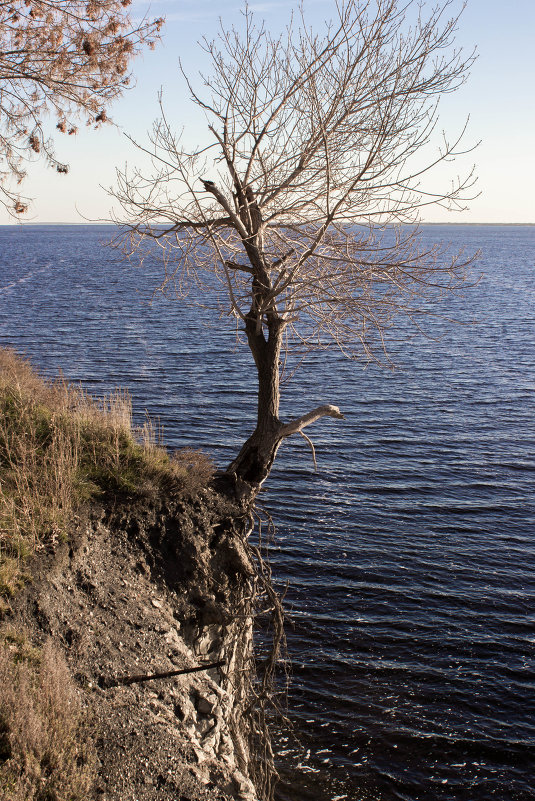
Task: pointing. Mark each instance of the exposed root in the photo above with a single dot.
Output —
(268, 688)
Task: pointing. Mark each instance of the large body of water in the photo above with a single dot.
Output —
(410, 553)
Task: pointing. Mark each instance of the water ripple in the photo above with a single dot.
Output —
(409, 553)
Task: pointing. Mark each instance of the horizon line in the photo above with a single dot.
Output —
(22, 223)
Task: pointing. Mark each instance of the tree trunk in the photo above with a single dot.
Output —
(255, 459)
(252, 465)
(264, 328)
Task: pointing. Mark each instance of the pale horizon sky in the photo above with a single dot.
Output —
(498, 98)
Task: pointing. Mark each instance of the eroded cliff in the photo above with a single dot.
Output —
(146, 588)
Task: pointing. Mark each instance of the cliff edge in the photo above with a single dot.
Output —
(141, 580)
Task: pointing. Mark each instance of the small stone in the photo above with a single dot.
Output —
(204, 706)
(156, 603)
(244, 786)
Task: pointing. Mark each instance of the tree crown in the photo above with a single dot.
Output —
(319, 143)
(59, 58)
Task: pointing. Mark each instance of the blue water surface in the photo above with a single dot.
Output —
(409, 553)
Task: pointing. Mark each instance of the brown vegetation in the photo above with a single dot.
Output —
(62, 58)
(45, 749)
(59, 448)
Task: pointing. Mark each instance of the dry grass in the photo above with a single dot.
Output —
(58, 448)
(45, 748)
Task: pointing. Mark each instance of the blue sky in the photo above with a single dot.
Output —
(499, 97)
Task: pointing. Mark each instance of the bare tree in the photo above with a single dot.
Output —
(298, 206)
(63, 58)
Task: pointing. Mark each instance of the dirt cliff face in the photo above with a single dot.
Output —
(146, 587)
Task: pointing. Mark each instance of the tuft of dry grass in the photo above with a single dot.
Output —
(60, 447)
(45, 747)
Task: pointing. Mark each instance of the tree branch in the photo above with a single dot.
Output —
(296, 426)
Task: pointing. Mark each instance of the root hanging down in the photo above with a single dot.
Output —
(265, 684)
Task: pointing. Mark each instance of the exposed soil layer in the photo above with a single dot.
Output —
(145, 587)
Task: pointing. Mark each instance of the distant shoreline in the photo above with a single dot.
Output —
(21, 224)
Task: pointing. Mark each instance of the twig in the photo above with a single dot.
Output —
(312, 448)
(106, 683)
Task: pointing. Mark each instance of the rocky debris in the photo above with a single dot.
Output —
(147, 590)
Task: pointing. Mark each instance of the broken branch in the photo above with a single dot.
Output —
(106, 683)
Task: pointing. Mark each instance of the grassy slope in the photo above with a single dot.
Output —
(59, 449)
